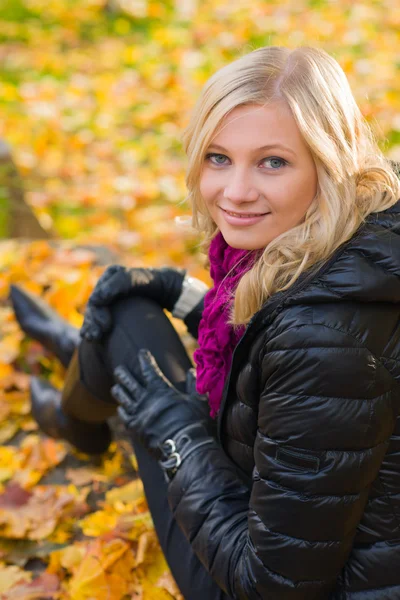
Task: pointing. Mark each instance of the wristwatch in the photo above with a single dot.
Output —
(193, 290)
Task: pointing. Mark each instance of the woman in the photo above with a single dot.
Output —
(298, 495)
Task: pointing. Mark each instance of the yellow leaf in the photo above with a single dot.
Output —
(9, 576)
(151, 592)
(98, 523)
(94, 577)
(134, 462)
(131, 492)
(7, 431)
(5, 370)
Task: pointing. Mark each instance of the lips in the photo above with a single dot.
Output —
(243, 215)
(241, 221)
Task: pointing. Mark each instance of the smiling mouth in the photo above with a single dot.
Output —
(244, 215)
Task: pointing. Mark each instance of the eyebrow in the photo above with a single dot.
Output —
(267, 147)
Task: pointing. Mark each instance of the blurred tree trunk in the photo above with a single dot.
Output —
(17, 219)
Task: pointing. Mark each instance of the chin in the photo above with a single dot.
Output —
(242, 242)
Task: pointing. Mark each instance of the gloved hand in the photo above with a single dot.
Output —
(153, 410)
(164, 285)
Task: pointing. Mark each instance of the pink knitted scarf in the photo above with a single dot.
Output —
(217, 339)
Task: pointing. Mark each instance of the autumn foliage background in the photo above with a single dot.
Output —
(94, 96)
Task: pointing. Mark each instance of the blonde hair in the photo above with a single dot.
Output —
(354, 178)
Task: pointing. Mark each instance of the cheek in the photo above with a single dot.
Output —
(293, 198)
(208, 185)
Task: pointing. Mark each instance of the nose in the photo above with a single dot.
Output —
(240, 188)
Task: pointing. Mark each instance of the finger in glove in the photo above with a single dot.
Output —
(123, 399)
(125, 417)
(102, 317)
(105, 277)
(97, 322)
(152, 374)
(90, 331)
(127, 380)
(116, 285)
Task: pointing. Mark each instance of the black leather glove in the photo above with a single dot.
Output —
(154, 411)
(164, 285)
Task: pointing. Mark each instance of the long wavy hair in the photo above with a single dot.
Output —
(354, 177)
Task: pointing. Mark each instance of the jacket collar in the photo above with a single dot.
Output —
(364, 269)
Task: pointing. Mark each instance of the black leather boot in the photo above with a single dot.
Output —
(47, 410)
(43, 324)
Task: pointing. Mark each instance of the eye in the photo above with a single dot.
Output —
(274, 160)
(216, 159)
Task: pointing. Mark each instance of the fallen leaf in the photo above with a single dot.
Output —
(8, 430)
(43, 587)
(130, 493)
(36, 457)
(34, 515)
(104, 572)
(10, 575)
(19, 552)
(84, 475)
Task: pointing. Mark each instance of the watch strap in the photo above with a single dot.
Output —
(193, 290)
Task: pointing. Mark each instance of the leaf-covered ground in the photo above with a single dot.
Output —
(93, 103)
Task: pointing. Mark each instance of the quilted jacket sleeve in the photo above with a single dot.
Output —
(325, 416)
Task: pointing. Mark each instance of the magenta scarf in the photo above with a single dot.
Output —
(217, 339)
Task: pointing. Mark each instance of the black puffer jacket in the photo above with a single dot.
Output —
(308, 504)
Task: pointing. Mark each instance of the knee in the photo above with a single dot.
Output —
(134, 323)
(139, 322)
(135, 312)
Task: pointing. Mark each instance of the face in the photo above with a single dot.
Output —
(258, 164)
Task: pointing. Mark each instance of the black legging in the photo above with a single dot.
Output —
(141, 323)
